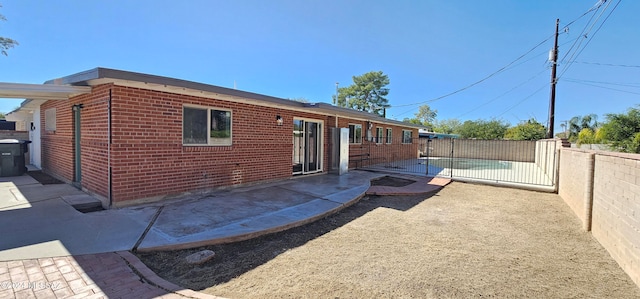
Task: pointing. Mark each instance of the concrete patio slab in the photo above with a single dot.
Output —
(245, 213)
(245, 229)
(44, 223)
(49, 228)
(81, 201)
(19, 180)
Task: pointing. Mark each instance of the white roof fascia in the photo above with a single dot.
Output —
(41, 91)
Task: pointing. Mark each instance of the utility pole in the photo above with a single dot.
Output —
(552, 98)
(335, 100)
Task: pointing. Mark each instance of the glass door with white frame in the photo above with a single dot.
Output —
(307, 146)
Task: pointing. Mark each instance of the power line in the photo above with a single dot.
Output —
(633, 85)
(477, 82)
(503, 94)
(594, 33)
(608, 64)
(523, 100)
(603, 87)
(509, 65)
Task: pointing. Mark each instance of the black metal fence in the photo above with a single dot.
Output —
(523, 162)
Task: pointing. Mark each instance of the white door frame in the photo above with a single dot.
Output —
(319, 150)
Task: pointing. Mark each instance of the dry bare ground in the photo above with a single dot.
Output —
(465, 241)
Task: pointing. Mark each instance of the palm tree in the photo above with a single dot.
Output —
(578, 123)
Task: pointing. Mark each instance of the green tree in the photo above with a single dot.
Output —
(447, 126)
(528, 130)
(483, 129)
(2, 115)
(577, 123)
(414, 121)
(588, 136)
(425, 116)
(367, 93)
(6, 43)
(622, 131)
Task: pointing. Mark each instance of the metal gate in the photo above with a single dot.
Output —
(518, 162)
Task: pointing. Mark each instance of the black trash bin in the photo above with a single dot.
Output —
(12, 157)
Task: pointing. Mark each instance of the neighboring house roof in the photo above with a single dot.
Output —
(100, 75)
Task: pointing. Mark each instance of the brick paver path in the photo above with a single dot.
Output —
(104, 275)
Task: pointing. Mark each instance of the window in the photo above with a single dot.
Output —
(206, 126)
(50, 119)
(406, 136)
(355, 133)
(379, 136)
(389, 135)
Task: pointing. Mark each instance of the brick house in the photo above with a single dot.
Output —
(130, 137)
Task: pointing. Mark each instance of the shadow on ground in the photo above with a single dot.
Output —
(234, 259)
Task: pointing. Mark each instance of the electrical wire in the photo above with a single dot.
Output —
(509, 65)
(522, 101)
(589, 41)
(608, 64)
(579, 40)
(503, 94)
(632, 85)
(603, 87)
(477, 82)
(517, 86)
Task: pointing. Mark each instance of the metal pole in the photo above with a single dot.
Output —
(427, 151)
(552, 99)
(451, 158)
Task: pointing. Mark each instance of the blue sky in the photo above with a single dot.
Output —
(295, 49)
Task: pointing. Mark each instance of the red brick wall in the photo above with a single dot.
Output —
(94, 139)
(148, 158)
(370, 152)
(58, 146)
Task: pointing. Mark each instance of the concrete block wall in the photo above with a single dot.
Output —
(505, 150)
(616, 208)
(613, 183)
(546, 153)
(575, 184)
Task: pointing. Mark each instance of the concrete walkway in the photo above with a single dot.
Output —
(50, 250)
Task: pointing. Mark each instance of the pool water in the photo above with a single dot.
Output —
(461, 163)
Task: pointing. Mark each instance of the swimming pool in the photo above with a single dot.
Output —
(464, 163)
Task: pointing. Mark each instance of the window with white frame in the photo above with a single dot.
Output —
(379, 136)
(407, 136)
(355, 133)
(389, 135)
(50, 119)
(206, 126)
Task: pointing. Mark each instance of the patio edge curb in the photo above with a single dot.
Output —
(153, 278)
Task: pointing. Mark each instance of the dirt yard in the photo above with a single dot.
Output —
(466, 241)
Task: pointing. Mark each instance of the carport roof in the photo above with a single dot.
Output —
(40, 91)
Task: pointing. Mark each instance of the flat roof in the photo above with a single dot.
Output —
(101, 75)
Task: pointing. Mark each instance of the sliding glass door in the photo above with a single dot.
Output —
(307, 146)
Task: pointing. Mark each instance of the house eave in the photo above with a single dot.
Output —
(100, 75)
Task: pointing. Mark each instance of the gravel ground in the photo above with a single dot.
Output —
(465, 241)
